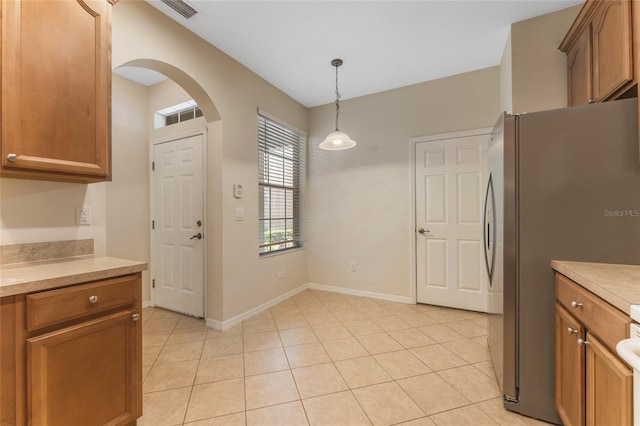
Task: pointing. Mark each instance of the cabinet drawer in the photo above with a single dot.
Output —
(57, 306)
(603, 320)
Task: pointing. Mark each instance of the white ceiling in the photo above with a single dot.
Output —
(384, 44)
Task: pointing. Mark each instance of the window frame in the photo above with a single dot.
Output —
(297, 188)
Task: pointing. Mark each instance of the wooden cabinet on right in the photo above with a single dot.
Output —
(593, 386)
(600, 52)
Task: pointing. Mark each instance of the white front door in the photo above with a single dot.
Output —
(450, 177)
(177, 260)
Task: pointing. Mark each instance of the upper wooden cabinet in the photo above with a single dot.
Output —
(56, 90)
(599, 48)
(580, 69)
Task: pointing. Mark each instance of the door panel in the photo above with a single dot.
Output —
(70, 371)
(178, 261)
(450, 177)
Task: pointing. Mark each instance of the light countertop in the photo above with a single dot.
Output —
(18, 278)
(617, 284)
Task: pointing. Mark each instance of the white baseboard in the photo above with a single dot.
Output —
(362, 293)
(231, 322)
(147, 304)
(238, 319)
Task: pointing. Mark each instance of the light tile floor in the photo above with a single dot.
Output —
(323, 358)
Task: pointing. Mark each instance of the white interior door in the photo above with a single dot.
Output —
(178, 231)
(451, 175)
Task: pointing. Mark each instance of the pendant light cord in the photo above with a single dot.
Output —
(337, 100)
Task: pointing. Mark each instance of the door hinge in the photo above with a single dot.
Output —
(153, 165)
(153, 224)
(153, 283)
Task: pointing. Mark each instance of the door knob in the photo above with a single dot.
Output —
(135, 317)
(198, 236)
(423, 231)
(12, 157)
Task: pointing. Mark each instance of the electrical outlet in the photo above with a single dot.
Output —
(282, 274)
(83, 215)
(353, 266)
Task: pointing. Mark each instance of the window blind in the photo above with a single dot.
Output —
(282, 182)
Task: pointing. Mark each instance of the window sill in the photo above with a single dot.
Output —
(280, 252)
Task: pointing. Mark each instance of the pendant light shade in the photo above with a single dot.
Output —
(337, 140)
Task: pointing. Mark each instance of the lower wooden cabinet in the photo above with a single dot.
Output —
(570, 368)
(593, 386)
(609, 386)
(81, 371)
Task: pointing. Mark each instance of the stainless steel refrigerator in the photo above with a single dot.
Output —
(563, 184)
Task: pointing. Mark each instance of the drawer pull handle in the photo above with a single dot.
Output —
(582, 342)
(576, 305)
(93, 299)
(571, 330)
(135, 317)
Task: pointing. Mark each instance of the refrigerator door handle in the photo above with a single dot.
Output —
(489, 242)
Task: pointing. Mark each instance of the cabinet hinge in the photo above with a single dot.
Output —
(153, 165)
(153, 224)
(153, 283)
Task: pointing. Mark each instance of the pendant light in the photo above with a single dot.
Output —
(337, 140)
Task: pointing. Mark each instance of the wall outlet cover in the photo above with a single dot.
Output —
(83, 215)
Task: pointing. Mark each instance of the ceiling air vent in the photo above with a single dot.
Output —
(181, 7)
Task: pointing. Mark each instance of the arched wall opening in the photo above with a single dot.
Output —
(131, 186)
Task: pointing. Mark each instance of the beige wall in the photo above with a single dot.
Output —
(240, 278)
(538, 68)
(33, 211)
(506, 79)
(360, 199)
(127, 195)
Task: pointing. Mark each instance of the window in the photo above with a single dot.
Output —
(177, 114)
(282, 180)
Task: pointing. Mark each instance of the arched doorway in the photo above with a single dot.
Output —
(129, 205)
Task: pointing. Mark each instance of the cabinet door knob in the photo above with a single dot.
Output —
(135, 317)
(576, 305)
(12, 157)
(571, 330)
(591, 101)
(582, 342)
(93, 299)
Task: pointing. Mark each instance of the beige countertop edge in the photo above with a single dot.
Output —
(617, 284)
(37, 276)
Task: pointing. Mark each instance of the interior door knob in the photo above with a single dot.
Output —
(197, 236)
(423, 231)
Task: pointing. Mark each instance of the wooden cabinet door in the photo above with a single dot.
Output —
(579, 65)
(56, 89)
(570, 363)
(609, 387)
(612, 48)
(88, 374)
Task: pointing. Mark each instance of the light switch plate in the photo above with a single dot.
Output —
(239, 213)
